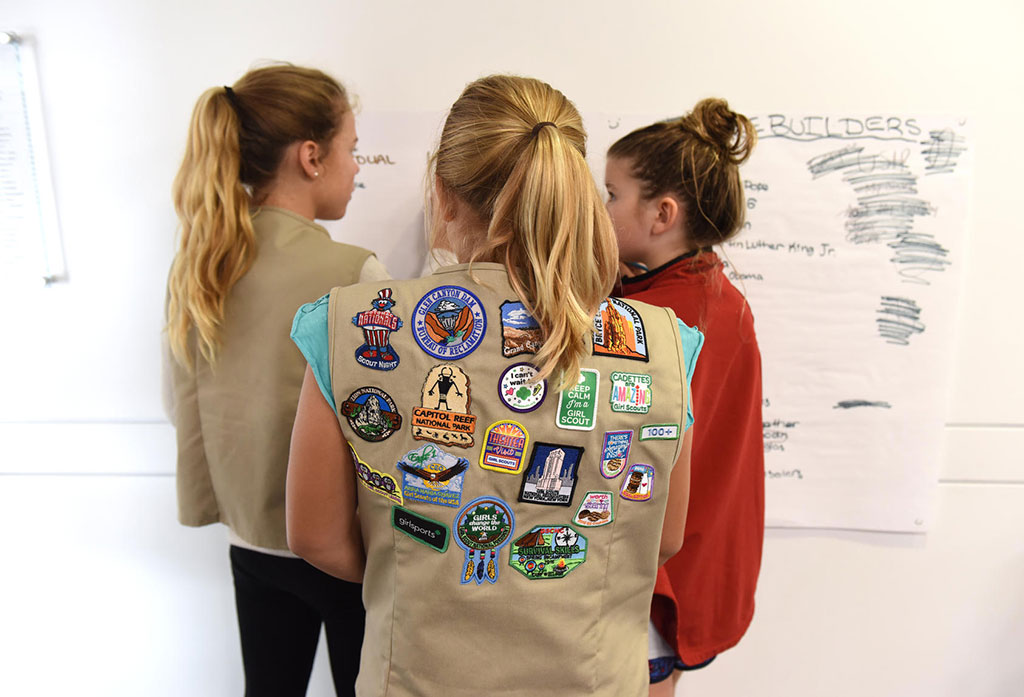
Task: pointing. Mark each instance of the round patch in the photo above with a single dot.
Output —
(371, 413)
(449, 322)
(517, 391)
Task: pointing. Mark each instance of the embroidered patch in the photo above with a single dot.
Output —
(520, 332)
(577, 406)
(379, 483)
(429, 532)
(596, 509)
(632, 392)
(504, 447)
(619, 331)
(615, 452)
(660, 432)
(449, 322)
(371, 413)
(377, 325)
(516, 390)
(430, 475)
(548, 551)
(482, 528)
(551, 477)
(444, 417)
(638, 484)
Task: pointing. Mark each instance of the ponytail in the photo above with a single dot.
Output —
(513, 149)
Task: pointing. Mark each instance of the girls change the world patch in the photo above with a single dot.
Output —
(482, 528)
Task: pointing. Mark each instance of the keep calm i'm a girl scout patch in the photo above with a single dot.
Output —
(430, 475)
(577, 406)
(444, 416)
(548, 551)
(377, 324)
(371, 413)
(619, 331)
(449, 322)
(482, 528)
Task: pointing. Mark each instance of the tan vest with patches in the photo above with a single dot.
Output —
(234, 420)
(558, 603)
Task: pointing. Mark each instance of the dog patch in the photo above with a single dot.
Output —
(551, 477)
(444, 417)
(619, 331)
(631, 392)
(504, 447)
(449, 322)
(520, 332)
(371, 413)
(427, 532)
(377, 324)
(482, 528)
(548, 551)
(430, 475)
(638, 484)
(615, 453)
(380, 483)
(596, 510)
(517, 390)
(660, 432)
(577, 406)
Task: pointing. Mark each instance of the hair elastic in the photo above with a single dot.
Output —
(231, 97)
(542, 124)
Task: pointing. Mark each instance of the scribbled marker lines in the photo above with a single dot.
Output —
(900, 318)
(942, 151)
(851, 403)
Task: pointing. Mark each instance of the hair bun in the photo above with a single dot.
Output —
(714, 122)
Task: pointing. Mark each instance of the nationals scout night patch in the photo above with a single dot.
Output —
(444, 417)
(504, 447)
(619, 331)
(520, 332)
(430, 475)
(577, 406)
(638, 484)
(449, 322)
(548, 551)
(596, 509)
(378, 482)
(371, 413)
(615, 453)
(631, 393)
(482, 528)
(551, 477)
(518, 389)
(429, 532)
(377, 324)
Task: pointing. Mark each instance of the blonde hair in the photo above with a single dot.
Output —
(236, 140)
(696, 158)
(513, 150)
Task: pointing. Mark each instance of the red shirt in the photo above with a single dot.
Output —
(704, 596)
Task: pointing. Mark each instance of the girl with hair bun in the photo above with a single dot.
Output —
(263, 159)
(675, 191)
(508, 487)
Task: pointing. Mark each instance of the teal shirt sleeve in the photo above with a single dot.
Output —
(693, 341)
(309, 332)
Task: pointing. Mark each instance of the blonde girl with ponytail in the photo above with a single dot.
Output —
(674, 193)
(264, 158)
(514, 201)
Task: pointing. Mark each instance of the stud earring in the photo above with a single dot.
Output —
(316, 174)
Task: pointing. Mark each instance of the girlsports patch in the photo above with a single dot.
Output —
(444, 417)
(615, 453)
(619, 331)
(482, 528)
(504, 447)
(432, 533)
(552, 474)
(371, 413)
(430, 475)
(449, 322)
(379, 483)
(377, 324)
(638, 484)
(519, 390)
(548, 551)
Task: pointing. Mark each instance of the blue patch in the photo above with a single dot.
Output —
(377, 325)
(430, 475)
(615, 453)
(482, 528)
(449, 322)
(552, 475)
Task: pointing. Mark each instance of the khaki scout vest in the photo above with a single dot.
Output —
(234, 420)
(443, 619)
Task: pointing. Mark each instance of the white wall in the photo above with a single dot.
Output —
(103, 594)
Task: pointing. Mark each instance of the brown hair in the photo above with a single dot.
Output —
(695, 158)
(236, 140)
(513, 150)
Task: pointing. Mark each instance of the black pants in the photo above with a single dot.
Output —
(281, 604)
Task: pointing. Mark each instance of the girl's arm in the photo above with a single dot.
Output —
(678, 501)
(320, 498)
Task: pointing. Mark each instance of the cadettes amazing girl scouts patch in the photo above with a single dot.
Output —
(449, 322)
